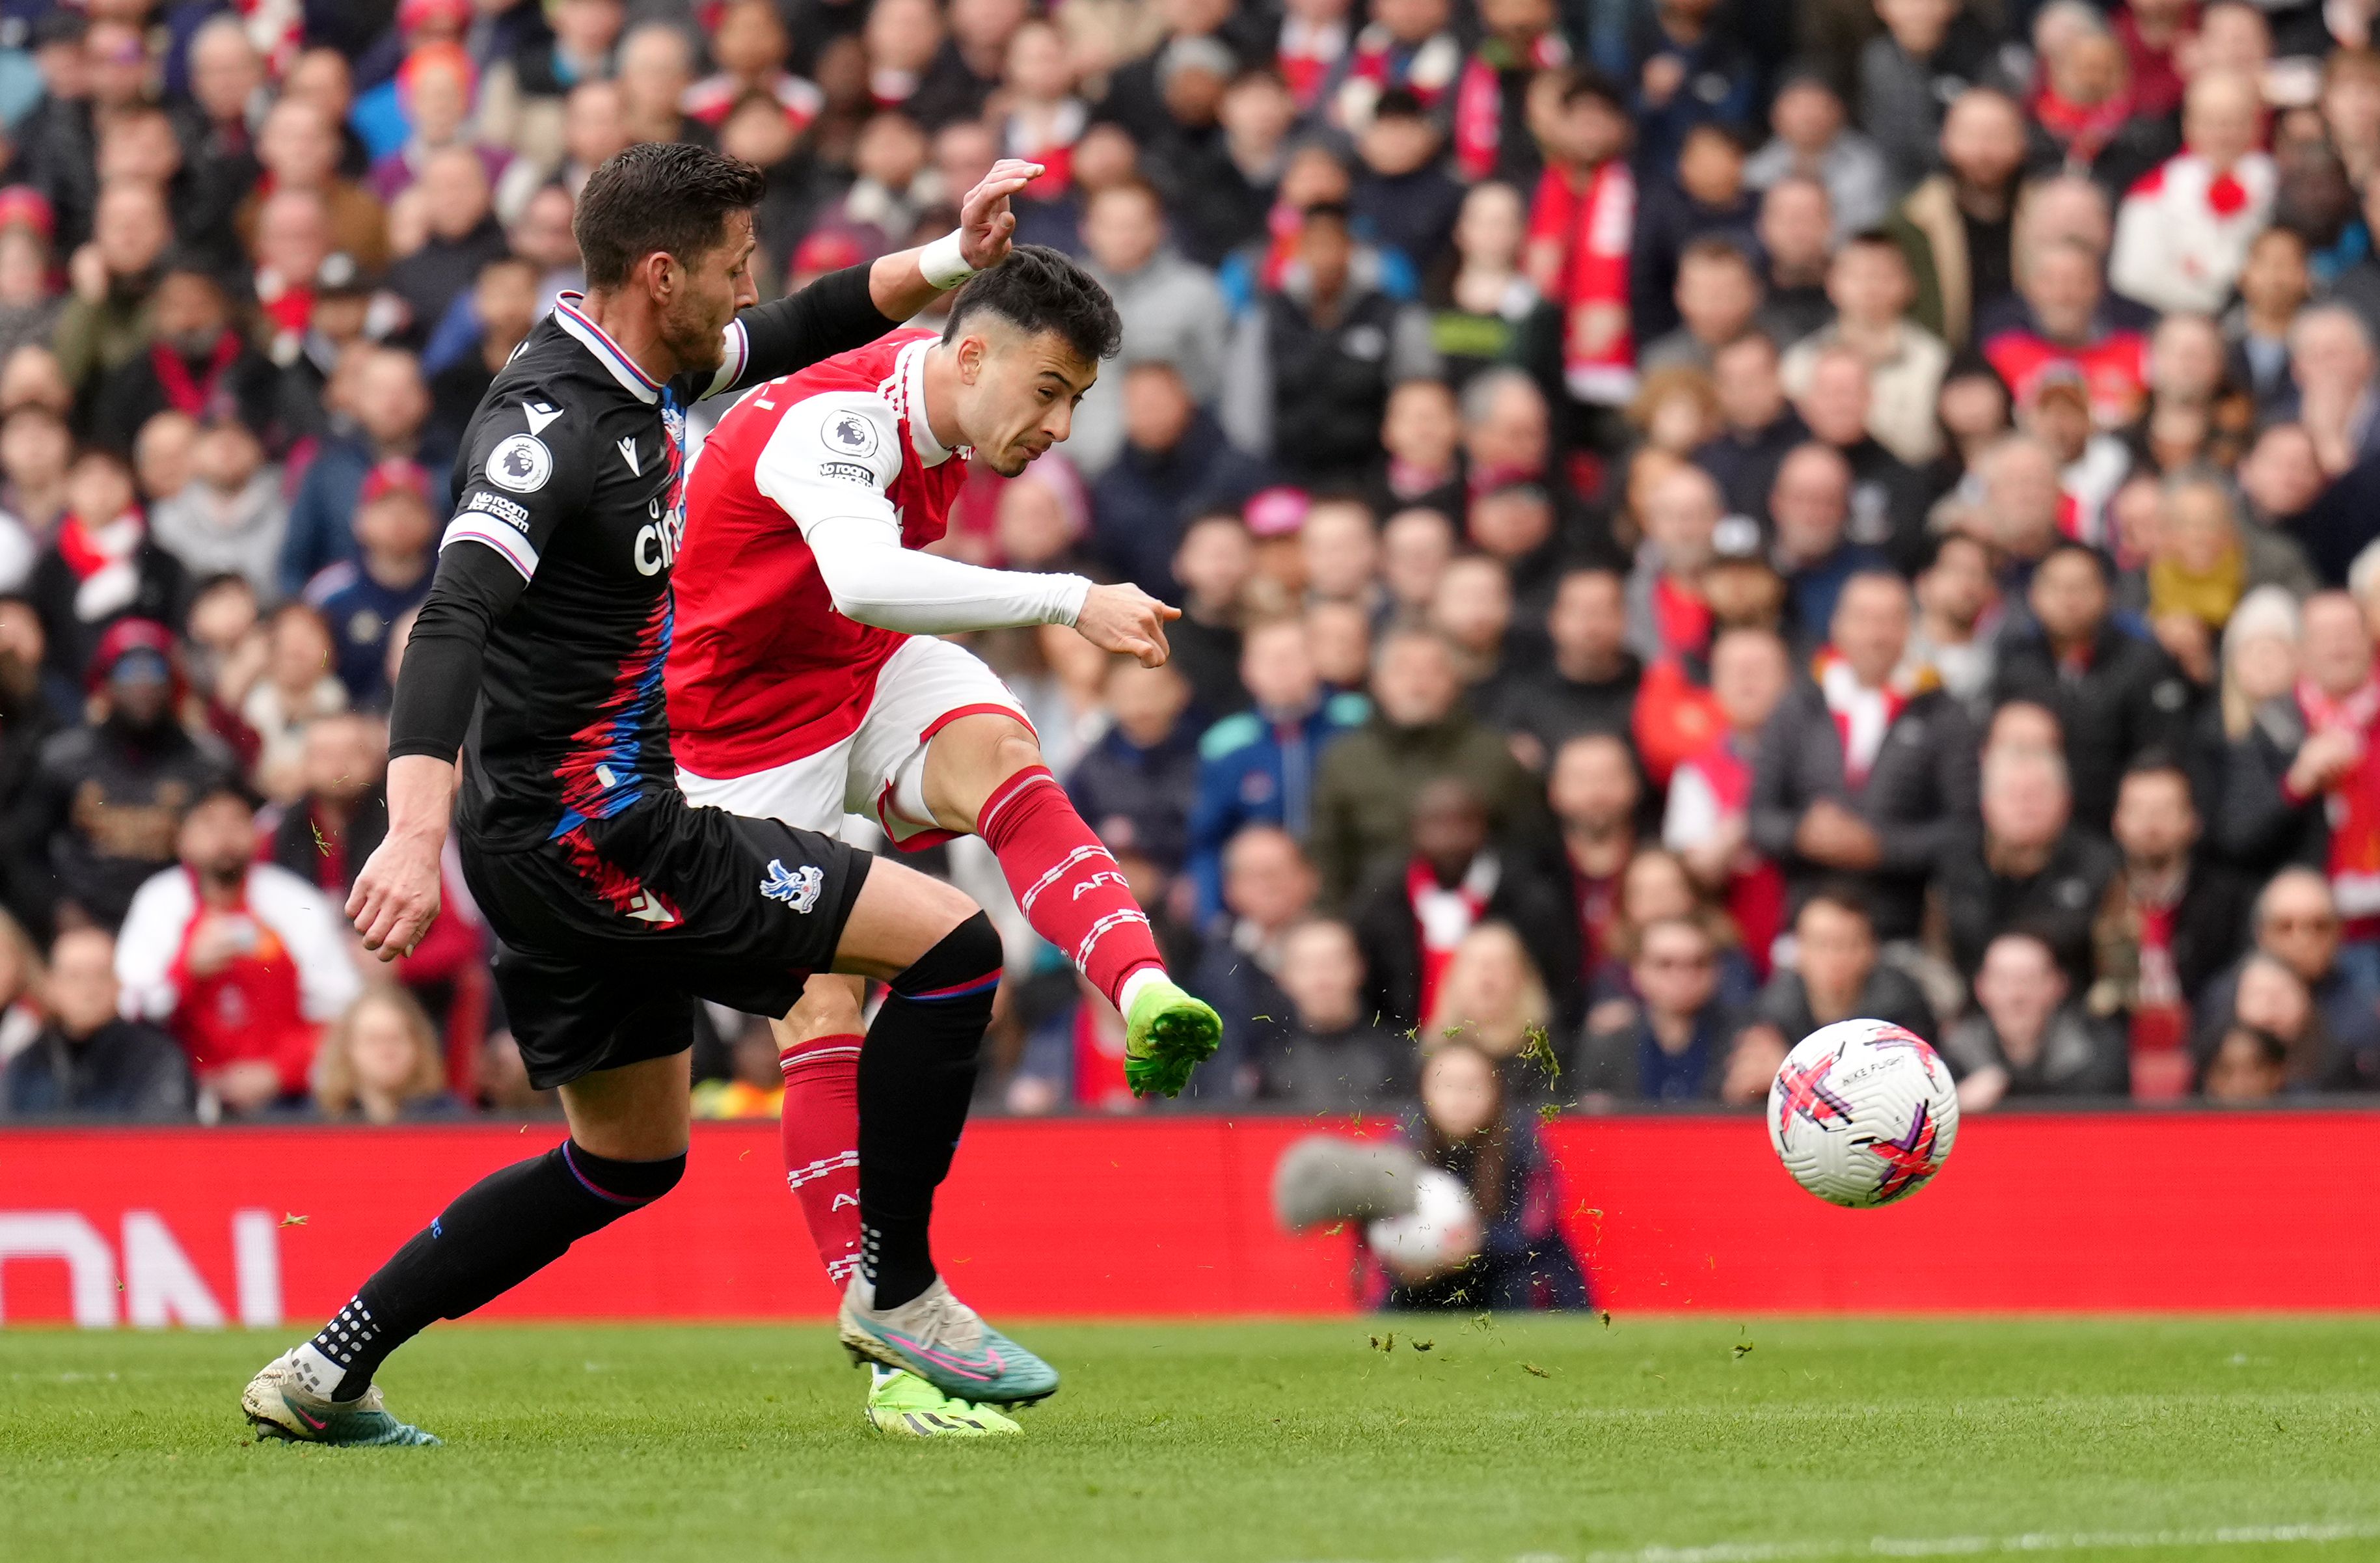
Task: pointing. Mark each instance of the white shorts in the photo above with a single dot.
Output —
(880, 770)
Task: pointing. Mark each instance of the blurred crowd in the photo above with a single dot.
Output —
(1693, 519)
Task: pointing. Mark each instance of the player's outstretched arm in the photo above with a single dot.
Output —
(853, 307)
(873, 579)
(904, 282)
(876, 581)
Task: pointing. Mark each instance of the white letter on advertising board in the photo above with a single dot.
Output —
(160, 1287)
(256, 1252)
(62, 1234)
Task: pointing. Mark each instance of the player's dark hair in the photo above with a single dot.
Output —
(1038, 289)
(667, 196)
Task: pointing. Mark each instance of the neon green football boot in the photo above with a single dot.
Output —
(902, 1403)
(1166, 1035)
(279, 1404)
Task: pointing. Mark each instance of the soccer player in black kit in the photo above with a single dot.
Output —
(539, 655)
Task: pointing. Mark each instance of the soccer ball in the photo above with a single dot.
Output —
(1863, 1114)
(1442, 1234)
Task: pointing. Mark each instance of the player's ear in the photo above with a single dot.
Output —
(660, 273)
(973, 349)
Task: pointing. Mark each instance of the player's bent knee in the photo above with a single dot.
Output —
(899, 916)
(1015, 749)
(936, 906)
(965, 965)
(970, 760)
(624, 1184)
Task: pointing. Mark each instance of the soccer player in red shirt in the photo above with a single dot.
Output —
(806, 681)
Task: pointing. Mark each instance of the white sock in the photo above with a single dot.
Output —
(317, 1375)
(1134, 985)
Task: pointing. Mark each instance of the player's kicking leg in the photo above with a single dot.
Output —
(982, 774)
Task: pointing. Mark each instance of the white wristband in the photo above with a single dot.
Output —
(943, 263)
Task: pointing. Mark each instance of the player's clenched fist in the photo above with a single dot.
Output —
(396, 895)
(1126, 619)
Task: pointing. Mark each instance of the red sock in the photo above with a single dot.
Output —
(1065, 883)
(819, 1128)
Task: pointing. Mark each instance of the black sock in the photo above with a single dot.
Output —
(917, 1074)
(498, 1232)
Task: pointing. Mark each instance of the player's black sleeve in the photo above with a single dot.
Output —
(527, 465)
(833, 315)
(439, 684)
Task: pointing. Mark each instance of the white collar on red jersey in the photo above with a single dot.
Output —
(611, 355)
(908, 388)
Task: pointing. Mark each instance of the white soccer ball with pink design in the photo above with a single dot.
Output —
(1863, 1114)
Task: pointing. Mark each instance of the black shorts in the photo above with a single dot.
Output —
(613, 930)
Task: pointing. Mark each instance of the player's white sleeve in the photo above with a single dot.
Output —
(828, 465)
(875, 580)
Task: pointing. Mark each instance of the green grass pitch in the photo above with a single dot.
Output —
(1710, 1441)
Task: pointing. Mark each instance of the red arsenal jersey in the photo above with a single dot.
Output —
(764, 669)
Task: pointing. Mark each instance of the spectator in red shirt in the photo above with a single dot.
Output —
(1580, 225)
(1666, 614)
(1708, 822)
(2067, 325)
(243, 962)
